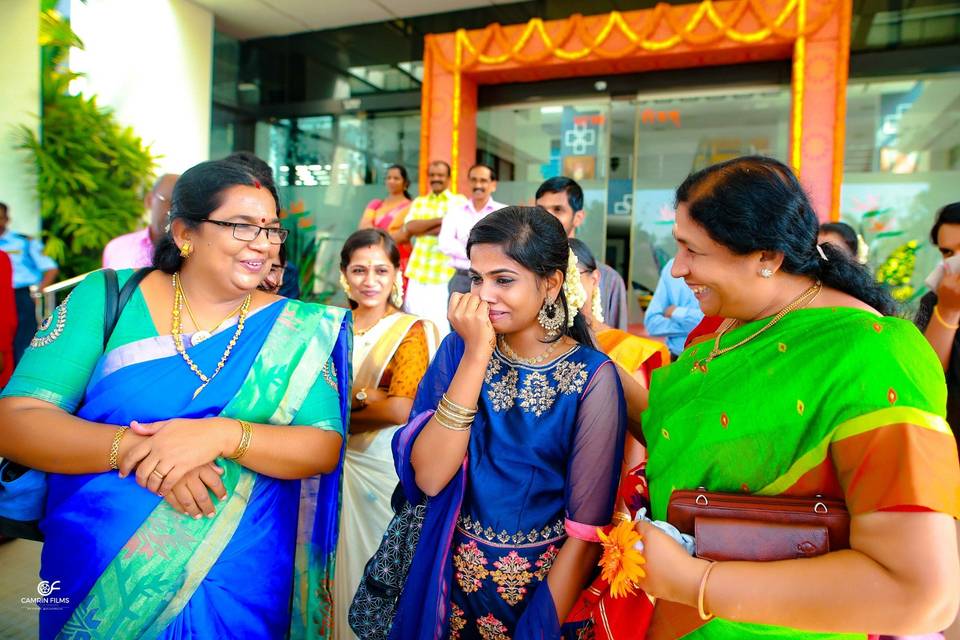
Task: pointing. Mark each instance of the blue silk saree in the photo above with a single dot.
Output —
(128, 565)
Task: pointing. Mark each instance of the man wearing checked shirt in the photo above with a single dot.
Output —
(429, 270)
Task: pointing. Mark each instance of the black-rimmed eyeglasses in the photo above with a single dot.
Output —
(246, 232)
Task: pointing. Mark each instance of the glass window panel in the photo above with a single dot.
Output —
(679, 133)
(902, 155)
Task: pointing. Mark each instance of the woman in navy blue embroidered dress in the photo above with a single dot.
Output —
(509, 538)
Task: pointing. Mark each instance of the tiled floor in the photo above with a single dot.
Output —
(19, 567)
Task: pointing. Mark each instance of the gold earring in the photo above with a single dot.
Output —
(186, 249)
(396, 296)
(549, 318)
(344, 284)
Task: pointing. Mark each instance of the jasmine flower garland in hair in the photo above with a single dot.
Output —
(573, 289)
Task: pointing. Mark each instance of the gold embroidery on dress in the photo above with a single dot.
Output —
(469, 563)
(537, 396)
(571, 377)
(545, 562)
(549, 533)
(457, 621)
(512, 577)
(491, 629)
(60, 313)
(493, 368)
(330, 374)
(503, 391)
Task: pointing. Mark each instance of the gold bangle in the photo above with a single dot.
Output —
(457, 408)
(936, 312)
(245, 438)
(701, 595)
(114, 458)
(440, 420)
(453, 419)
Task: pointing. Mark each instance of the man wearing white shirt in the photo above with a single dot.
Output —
(455, 230)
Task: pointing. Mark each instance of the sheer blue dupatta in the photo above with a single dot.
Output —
(423, 609)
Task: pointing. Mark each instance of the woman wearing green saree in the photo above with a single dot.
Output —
(198, 519)
(809, 388)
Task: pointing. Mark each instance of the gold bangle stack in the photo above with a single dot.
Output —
(114, 458)
(244, 440)
(453, 416)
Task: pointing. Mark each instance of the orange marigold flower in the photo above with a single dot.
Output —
(621, 562)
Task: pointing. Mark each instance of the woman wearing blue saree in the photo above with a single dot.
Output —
(516, 435)
(207, 516)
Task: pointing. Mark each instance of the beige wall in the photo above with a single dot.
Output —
(20, 104)
(151, 61)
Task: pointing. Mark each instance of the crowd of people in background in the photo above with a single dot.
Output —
(454, 454)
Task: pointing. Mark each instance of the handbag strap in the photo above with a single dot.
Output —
(115, 301)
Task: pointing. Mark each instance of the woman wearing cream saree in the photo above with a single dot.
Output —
(216, 431)
(391, 351)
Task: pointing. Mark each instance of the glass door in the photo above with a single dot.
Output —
(529, 143)
(682, 132)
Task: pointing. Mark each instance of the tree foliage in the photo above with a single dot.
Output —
(91, 171)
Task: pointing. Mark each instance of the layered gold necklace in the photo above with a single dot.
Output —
(179, 301)
(800, 301)
(513, 355)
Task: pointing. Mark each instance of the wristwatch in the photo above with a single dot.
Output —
(362, 397)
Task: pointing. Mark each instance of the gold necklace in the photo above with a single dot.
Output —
(362, 332)
(513, 355)
(802, 300)
(200, 334)
(178, 300)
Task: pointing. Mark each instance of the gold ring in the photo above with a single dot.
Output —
(158, 474)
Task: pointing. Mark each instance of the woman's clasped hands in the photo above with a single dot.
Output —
(176, 460)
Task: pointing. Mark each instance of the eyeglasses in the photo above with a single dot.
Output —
(249, 232)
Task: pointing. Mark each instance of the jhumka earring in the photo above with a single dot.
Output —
(549, 318)
(396, 295)
(186, 249)
(344, 284)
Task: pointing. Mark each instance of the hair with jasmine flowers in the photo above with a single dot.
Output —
(755, 203)
(536, 240)
(197, 194)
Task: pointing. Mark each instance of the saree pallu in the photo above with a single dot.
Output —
(541, 466)
(128, 565)
(633, 353)
(368, 475)
(832, 401)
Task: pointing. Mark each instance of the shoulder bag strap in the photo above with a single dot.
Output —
(115, 302)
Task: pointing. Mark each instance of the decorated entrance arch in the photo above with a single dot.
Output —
(814, 34)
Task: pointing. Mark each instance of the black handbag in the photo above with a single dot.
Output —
(23, 490)
(375, 603)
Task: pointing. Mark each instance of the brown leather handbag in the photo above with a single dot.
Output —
(733, 526)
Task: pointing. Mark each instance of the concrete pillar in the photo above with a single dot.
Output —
(20, 105)
(151, 61)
